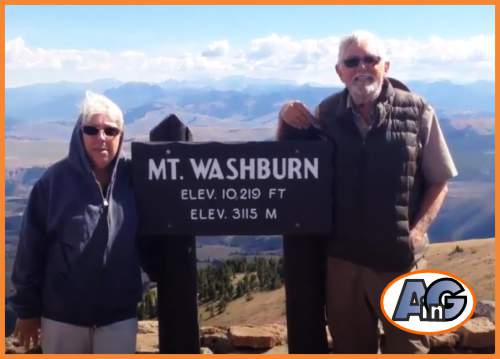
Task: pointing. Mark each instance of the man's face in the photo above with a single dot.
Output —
(362, 71)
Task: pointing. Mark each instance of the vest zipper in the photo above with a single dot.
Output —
(363, 187)
(363, 191)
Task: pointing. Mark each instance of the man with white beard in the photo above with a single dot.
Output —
(391, 168)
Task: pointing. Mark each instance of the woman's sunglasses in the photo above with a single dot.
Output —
(108, 131)
(367, 60)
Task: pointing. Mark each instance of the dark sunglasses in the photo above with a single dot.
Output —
(108, 131)
(367, 60)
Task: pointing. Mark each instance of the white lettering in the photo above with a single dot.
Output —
(200, 169)
(230, 166)
(199, 194)
(294, 165)
(271, 213)
(312, 168)
(247, 167)
(263, 171)
(241, 168)
(158, 172)
(200, 214)
(173, 167)
(276, 174)
(215, 172)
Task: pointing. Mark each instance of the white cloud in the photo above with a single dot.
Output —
(276, 56)
(216, 49)
(459, 60)
(20, 56)
(272, 46)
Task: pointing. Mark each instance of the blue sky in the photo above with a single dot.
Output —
(190, 42)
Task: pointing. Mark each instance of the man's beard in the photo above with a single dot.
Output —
(364, 89)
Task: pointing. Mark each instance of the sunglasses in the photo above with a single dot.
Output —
(108, 131)
(354, 61)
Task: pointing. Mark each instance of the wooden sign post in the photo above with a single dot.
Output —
(253, 188)
(174, 266)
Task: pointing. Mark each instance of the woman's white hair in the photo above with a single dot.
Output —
(359, 37)
(95, 103)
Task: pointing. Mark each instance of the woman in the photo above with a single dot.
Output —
(76, 272)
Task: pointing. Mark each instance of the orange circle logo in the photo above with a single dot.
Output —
(427, 302)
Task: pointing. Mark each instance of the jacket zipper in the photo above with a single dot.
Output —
(363, 188)
(104, 198)
(363, 181)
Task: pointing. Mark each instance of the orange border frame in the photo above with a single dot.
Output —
(225, 2)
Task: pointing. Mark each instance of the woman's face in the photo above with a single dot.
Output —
(101, 139)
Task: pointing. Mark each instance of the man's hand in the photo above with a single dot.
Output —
(432, 201)
(27, 331)
(418, 241)
(296, 114)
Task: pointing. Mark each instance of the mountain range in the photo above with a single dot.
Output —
(235, 97)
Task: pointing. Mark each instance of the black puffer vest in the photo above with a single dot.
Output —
(377, 182)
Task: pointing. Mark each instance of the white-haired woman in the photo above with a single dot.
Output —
(76, 272)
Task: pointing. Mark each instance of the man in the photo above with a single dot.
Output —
(391, 167)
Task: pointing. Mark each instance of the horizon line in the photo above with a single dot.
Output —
(204, 82)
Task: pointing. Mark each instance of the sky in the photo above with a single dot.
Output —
(297, 43)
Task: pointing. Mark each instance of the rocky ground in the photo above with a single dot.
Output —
(476, 336)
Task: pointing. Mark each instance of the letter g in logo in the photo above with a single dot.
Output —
(445, 292)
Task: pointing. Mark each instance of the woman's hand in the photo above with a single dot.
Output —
(27, 331)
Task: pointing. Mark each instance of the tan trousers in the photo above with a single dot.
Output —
(353, 311)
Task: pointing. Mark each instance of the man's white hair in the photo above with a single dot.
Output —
(95, 103)
(359, 37)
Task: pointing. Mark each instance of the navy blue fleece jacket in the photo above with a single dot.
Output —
(77, 260)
